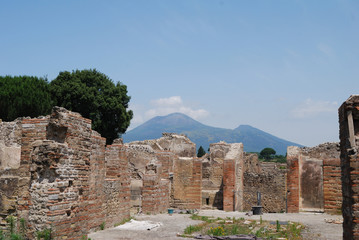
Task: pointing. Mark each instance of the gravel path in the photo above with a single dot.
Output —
(317, 228)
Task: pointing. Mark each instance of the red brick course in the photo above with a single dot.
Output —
(292, 184)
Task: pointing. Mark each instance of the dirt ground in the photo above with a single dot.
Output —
(316, 225)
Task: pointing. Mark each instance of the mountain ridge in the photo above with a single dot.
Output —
(253, 139)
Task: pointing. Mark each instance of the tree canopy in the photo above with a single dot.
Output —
(24, 96)
(267, 153)
(201, 152)
(96, 97)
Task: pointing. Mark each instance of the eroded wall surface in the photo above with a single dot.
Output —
(187, 183)
(65, 179)
(313, 179)
(349, 146)
(233, 166)
(156, 190)
(10, 153)
(269, 179)
(174, 182)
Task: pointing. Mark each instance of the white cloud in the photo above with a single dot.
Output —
(165, 106)
(326, 49)
(167, 102)
(310, 108)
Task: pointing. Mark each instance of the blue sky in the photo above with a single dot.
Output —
(281, 66)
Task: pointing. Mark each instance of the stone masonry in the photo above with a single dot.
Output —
(58, 174)
(222, 178)
(349, 161)
(269, 179)
(313, 179)
(175, 180)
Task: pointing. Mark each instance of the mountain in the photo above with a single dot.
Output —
(253, 139)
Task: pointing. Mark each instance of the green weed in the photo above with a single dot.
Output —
(102, 226)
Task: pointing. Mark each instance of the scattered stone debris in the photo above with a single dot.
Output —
(335, 221)
(186, 211)
(231, 237)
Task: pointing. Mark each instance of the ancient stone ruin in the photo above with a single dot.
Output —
(56, 172)
(313, 179)
(349, 146)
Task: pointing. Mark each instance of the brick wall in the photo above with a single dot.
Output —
(271, 183)
(187, 183)
(166, 160)
(117, 185)
(212, 183)
(349, 146)
(229, 184)
(11, 184)
(155, 194)
(313, 179)
(293, 180)
(233, 168)
(65, 179)
(332, 186)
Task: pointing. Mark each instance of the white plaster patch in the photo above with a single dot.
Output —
(140, 225)
(9, 157)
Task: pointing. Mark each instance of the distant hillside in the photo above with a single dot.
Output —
(253, 139)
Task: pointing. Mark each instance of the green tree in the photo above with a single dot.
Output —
(267, 153)
(201, 152)
(96, 97)
(24, 96)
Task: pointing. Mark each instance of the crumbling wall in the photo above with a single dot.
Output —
(64, 194)
(10, 153)
(293, 179)
(212, 183)
(222, 179)
(156, 190)
(313, 181)
(270, 181)
(187, 183)
(349, 146)
(212, 178)
(233, 166)
(166, 159)
(172, 184)
(178, 144)
(332, 188)
(63, 179)
(32, 130)
(251, 163)
(147, 184)
(116, 206)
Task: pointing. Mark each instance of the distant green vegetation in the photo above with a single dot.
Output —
(201, 152)
(269, 155)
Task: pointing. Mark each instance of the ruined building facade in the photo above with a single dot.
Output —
(56, 172)
(349, 147)
(313, 179)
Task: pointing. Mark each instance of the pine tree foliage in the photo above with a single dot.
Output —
(201, 152)
(23, 96)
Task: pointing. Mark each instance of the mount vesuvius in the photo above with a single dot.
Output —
(253, 139)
